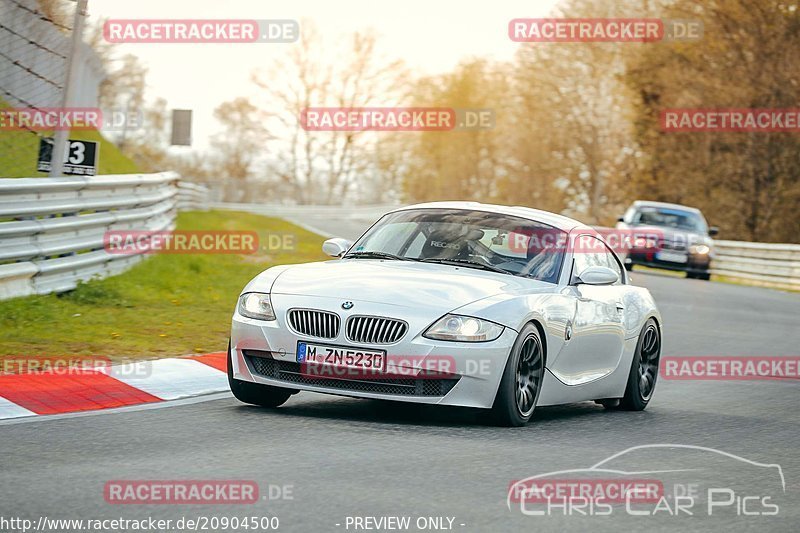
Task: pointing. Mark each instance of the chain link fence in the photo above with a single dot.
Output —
(34, 50)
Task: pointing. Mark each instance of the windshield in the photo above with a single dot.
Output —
(671, 218)
(473, 239)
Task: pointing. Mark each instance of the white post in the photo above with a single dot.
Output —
(73, 62)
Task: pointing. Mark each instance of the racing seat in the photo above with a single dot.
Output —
(449, 243)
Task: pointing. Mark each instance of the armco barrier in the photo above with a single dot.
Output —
(51, 229)
(764, 264)
(755, 263)
(192, 196)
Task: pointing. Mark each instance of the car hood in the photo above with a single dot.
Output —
(402, 283)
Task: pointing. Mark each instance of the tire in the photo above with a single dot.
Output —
(644, 369)
(705, 276)
(256, 393)
(629, 267)
(522, 379)
(691, 275)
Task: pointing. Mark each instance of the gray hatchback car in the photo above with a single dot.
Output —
(684, 240)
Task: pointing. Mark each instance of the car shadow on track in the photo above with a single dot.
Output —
(402, 413)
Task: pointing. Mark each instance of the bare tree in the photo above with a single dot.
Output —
(237, 149)
(319, 166)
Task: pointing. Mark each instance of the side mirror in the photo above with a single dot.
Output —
(598, 275)
(336, 247)
(621, 219)
(713, 231)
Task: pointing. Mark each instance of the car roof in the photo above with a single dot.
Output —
(647, 203)
(551, 219)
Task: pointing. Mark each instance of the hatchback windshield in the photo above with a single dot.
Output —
(671, 218)
(473, 239)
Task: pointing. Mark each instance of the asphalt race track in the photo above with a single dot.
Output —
(347, 457)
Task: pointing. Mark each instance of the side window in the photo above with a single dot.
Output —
(613, 264)
(584, 260)
(586, 253)
(591, 251)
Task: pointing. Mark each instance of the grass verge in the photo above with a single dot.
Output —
(19, 151)
(166, 305)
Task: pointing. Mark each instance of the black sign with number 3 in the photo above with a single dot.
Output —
(80, 157)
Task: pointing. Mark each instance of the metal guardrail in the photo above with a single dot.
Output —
(52, 229)
(763, 264)
(192, 196)
(760, 264)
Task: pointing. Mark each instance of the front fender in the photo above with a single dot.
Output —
(263, 282)
(553, 311)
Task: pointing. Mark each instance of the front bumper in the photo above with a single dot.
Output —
(699, 264)
(265, 352)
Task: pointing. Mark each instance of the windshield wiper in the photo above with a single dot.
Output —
(466, 262)
(376, 255)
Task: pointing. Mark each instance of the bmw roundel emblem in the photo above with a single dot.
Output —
(347, 305)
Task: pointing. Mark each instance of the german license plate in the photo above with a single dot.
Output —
(671, 257)
(341, 356)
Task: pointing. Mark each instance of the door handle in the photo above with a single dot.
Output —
(620, 306)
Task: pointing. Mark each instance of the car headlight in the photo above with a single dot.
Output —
(464, 329)
(256, 305)
(699, 249)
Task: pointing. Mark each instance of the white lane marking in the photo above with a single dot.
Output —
(170, 379)
(9, 409)
(116, 410)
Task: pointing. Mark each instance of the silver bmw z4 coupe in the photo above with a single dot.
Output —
(452, 303)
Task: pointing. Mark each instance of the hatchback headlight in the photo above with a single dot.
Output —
(256, 305)
(464, 329)
(699, 249)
